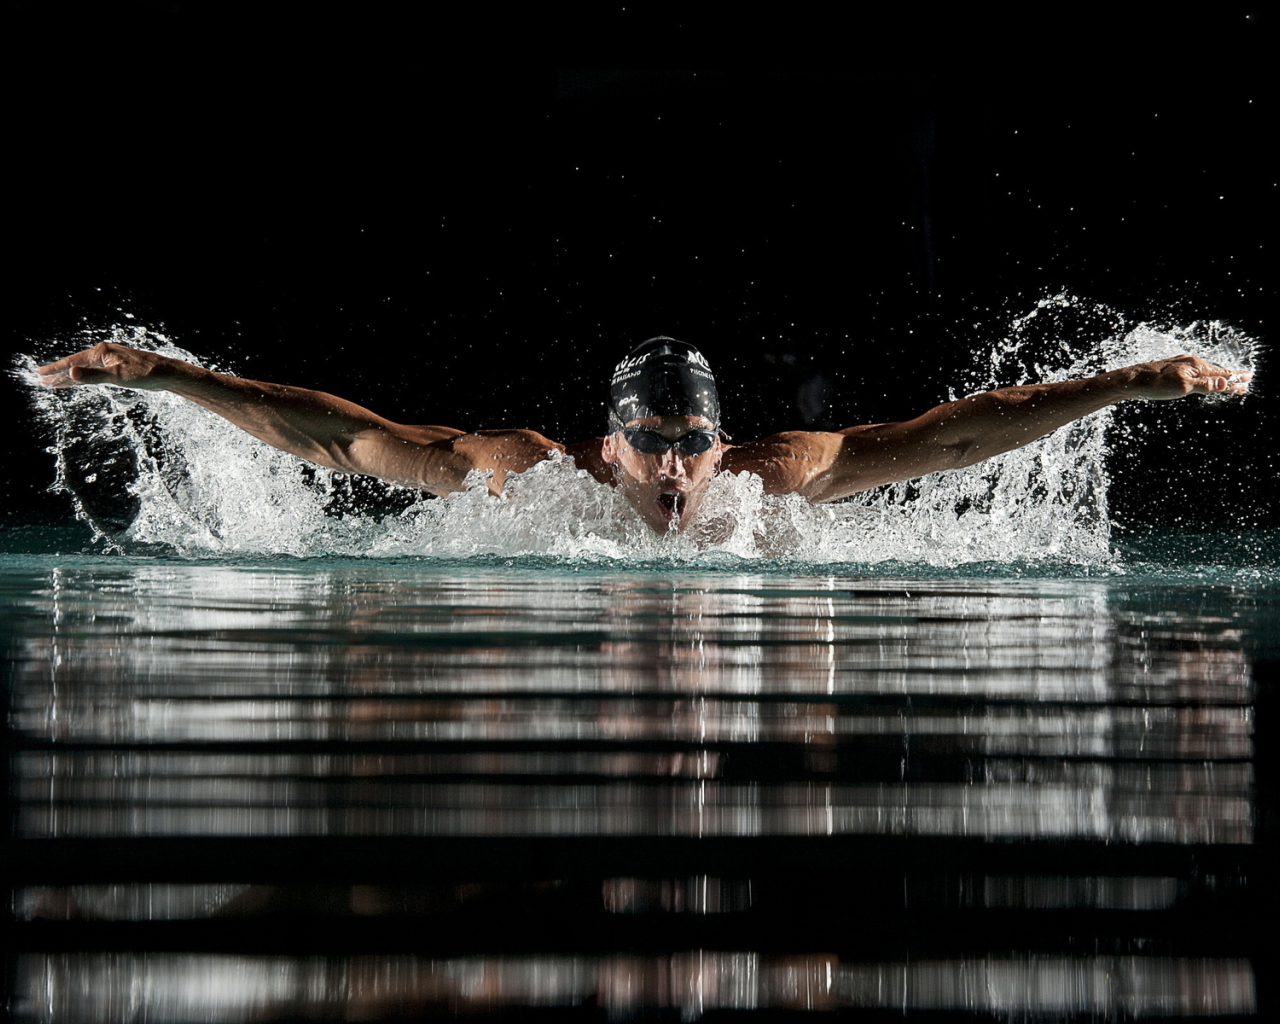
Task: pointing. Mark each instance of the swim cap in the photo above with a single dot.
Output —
(662, 377)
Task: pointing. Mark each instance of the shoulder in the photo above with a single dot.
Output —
(588, 455)
(789, 462)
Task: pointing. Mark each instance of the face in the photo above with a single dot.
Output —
(666, 488)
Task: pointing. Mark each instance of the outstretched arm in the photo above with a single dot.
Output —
(312, 425)
(825, 467)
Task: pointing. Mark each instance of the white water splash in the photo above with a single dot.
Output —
(198, 486)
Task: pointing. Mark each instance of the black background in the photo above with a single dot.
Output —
(468, 221)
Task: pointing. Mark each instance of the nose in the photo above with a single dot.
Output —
(672, 464)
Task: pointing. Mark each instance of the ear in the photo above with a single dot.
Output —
(609, 450)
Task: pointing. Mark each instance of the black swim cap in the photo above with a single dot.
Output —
(662, 377)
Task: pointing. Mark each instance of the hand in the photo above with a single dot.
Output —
(1184, 375)
(109, 363)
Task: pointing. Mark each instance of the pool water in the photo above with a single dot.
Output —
(263, 788)
(288, 745)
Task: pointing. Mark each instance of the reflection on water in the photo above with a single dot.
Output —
(150, 901)
(182, 988)
(696, 894)
(376, 703)
(923, 709)
(96, 795)
(155, 901)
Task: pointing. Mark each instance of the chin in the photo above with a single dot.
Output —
(671, 513)
(665, 510)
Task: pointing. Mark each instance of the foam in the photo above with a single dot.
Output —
(199, 487)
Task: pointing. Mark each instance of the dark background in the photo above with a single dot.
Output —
(469, 222)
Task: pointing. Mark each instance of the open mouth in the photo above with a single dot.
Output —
(671, 504)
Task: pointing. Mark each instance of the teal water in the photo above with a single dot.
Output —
(286, 745)
(278, 788)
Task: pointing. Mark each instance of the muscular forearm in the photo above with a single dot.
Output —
(319, 427)
(344, 436)
(975, 428)
(331, 431)
(978, 427)
(310, 424)
(969, 430)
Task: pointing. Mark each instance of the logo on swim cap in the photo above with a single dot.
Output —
(694, 356)
(662, 377)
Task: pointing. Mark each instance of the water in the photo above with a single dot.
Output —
(284, 746)
(264, 790)
(148, 470)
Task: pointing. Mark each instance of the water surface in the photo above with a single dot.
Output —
(284, 744)
(634, 787)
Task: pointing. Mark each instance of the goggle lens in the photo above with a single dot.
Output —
(650, 442)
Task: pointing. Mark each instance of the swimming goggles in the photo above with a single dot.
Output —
(650, 442)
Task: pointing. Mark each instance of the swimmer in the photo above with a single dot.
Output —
(664, 442)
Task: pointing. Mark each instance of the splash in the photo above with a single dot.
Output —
(150, 470)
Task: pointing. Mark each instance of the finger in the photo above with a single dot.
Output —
(57, 380)
(1216, 385)
(1209, 378)
(61, 365)
(74, 376)
(1222, 371)
(88, 375)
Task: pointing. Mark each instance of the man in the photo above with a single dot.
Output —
(664, 443)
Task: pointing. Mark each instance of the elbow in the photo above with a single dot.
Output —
(338, 453)
(346, 453)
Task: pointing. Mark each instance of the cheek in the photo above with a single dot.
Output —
(706, 466)
(638, 469)
(628, 468)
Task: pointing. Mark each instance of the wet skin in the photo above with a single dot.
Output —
(665, 488)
